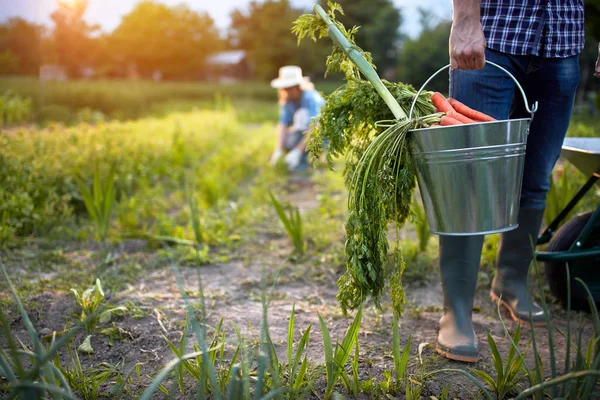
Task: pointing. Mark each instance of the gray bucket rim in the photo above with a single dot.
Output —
(490, 232)
(439, 127)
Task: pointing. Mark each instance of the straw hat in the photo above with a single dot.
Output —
(289, 76)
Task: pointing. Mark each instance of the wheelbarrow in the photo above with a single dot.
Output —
(576, 245)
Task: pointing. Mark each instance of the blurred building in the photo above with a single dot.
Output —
(53, 73)
(229, 66)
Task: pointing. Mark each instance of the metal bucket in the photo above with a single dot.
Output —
(470, 175)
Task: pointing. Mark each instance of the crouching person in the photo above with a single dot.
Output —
(299, 104)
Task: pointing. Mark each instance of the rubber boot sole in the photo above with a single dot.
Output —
(514, 316)
(456, 357)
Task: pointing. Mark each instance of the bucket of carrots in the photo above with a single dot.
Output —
(470, 167)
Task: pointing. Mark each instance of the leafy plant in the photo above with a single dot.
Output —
(400, 358)
(367, 122)
(31, 374)
(292, 222)
(92, 309)
(297, 370)
(336, 358)
(85, 382)
(581, 376)
(100, 201)
(14, 109)
(509, 373)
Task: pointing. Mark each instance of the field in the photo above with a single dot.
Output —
(165, 203)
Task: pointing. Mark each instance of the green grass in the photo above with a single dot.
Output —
(76, 101)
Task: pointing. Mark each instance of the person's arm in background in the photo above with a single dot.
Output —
(467, 43)
(281, 132)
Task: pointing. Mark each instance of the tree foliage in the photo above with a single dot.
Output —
(422, 56)
(20, 46)
(379, 33)
(73, 40)
(173, 40)
(264, 31)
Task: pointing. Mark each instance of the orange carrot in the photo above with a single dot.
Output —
(440, 102)
(460, 117)
(447, 121)
(469, 112)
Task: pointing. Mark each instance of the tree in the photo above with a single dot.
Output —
(592, 19)
(421, 57)
(20, 50)
(379, 33)
(173, 40)
(264, 31)
(74, 45)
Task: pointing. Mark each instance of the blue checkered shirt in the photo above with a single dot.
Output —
(546, 28)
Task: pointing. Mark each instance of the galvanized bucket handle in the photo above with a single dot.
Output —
(531, 110)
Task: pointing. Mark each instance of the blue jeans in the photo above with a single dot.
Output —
(552, 82)
(291, 141)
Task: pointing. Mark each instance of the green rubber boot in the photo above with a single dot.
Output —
(515, 254)
(459, 265)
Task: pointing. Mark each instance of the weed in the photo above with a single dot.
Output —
(335, 359)
(292, 222)
(100, 201)
(38, 377)
(509, 373)
(90, 302)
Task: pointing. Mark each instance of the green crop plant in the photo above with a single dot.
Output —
(215, 376)
(100, 201)
(336, 357)
(297, 367)
(400, 358)
(86, 382)
(14, 109)
(31, 373)
(292, 222)
(93, 311)
(509, 372)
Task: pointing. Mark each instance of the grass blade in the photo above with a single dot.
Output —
(164, 374)
(496, 357)
(301, 345)
(291, 338)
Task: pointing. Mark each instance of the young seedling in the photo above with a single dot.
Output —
(38, 377)
(92, 309)
(335, 360)
(292, 222)
(509, 373)
(100, 201)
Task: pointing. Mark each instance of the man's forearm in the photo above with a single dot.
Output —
(281, 133)
(466, 10)
(467, 42)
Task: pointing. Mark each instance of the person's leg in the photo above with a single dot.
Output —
(553, 84)
(490, 91)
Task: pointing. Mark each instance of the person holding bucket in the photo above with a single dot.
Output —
(538, 41)
(299, 104)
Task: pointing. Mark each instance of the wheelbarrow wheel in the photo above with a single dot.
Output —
(586, 270)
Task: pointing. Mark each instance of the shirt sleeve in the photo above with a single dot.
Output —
(314, 104)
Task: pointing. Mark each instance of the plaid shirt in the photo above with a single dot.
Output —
(546, 28)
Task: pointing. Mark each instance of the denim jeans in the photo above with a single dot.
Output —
(552, 82)
(291, 141)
